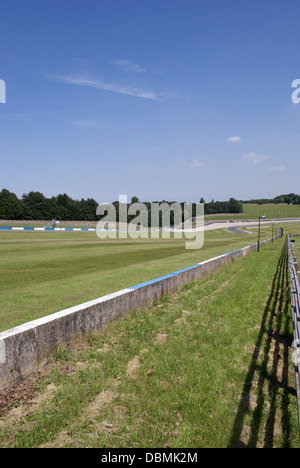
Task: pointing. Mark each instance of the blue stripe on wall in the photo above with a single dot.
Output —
(234, 251)
(141, 285)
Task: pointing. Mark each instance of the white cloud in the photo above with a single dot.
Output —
(234, 139)
(90, 124)
(277, 168)
(129, 66)
(196, 163)
(97, 83)
(255, 158)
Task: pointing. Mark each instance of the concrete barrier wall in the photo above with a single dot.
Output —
(27, 348)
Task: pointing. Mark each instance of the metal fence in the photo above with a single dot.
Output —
(295, 304)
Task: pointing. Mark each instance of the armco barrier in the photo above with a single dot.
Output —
(27, 348)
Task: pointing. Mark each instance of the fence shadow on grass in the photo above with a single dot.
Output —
(264, 411)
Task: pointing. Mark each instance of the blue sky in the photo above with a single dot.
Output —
(163, 99)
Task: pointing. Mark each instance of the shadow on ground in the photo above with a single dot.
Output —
(264, 414)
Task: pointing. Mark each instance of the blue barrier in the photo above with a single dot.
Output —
(10, 228)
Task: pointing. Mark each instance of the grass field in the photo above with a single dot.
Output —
(254, 211)
(42, 273)
(208, 367)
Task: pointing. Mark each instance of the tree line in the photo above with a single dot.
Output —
(35, 206)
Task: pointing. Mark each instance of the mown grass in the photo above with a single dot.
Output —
(42, 273)
(208, 367)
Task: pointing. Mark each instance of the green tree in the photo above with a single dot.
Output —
(10, 206)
